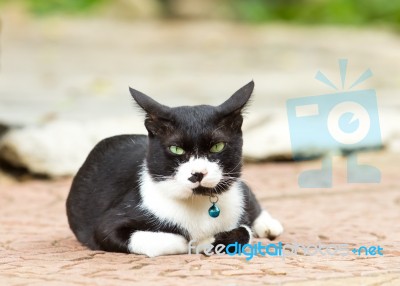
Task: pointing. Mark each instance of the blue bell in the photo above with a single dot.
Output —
(213, 211)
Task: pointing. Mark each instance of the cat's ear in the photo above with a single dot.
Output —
(237, 101)
(158, 116)
(149, 105)
(231, 110)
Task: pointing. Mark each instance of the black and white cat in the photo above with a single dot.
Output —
(152, 194)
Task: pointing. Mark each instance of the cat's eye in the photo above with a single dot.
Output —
(176, 150)
(216, 148)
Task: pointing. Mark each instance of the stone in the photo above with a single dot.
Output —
(60, 147)
(266, 137)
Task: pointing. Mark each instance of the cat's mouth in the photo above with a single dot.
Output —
(217, 190)
(203, 191)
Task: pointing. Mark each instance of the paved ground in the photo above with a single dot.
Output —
(37, 247)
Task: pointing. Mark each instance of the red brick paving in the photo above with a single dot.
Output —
(37, 247)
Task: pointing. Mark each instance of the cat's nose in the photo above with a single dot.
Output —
(196, 177)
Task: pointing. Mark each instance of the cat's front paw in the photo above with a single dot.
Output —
(154, 244)
(266, 226)
(242, 235)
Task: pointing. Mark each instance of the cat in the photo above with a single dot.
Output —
(153, 194)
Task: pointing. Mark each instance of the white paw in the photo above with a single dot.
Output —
(203, 244)
(155, 244)
(266, 226)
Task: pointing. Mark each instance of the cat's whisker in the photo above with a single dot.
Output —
(161, 177)
(229, 178)
(157, 176)
(216, 189)
(226, 176)
(240, 162)
(223, 184)
(231, 173)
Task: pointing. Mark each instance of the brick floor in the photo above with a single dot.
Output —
(37, 247)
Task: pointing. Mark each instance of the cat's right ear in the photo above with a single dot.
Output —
(152, 107)
(158, 116)
(231, 110)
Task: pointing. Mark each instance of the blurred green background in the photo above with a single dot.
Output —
(338, 12)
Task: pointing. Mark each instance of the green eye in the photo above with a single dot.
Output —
(176, 150)
(217, 147)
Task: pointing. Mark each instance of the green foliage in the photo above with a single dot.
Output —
(46, 7)
(350, 12)
(43, 7)
(353, 12)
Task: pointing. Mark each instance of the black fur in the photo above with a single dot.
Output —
(239, 235)
(101, 205)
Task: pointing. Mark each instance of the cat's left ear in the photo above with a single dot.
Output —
(237, 101)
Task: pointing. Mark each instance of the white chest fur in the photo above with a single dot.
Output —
(191, 213)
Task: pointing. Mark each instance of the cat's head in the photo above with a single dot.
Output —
(195, 150)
